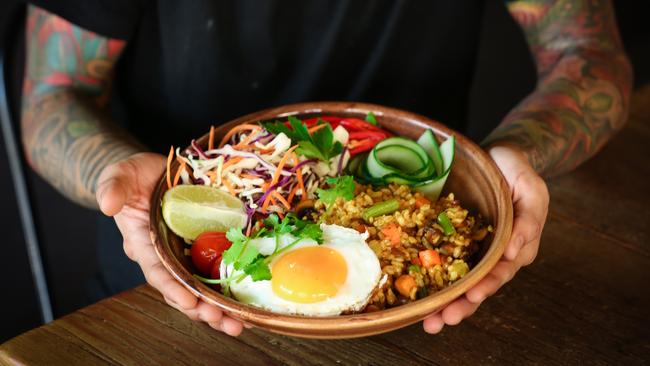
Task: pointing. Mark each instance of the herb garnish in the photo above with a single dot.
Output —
(370, 118)
(320, 145)
(342, 186)
(247, 258)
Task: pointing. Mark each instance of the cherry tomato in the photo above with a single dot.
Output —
(215, 273)
(206, 248)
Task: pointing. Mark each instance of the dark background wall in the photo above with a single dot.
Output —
(503, 75)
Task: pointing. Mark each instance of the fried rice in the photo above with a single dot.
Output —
(418, 230)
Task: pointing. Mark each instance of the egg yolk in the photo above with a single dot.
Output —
(309, 274)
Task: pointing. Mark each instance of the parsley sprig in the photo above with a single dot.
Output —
(320, 145)
(246, 257)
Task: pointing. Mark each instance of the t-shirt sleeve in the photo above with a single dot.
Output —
(110, 18)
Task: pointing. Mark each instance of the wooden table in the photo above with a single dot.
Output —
(586, 299)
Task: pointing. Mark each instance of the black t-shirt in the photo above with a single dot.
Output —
(189, 64)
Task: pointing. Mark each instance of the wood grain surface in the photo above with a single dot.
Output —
(585, 300)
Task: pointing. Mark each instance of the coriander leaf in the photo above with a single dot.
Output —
(337, 148)
(248, 255)
(271, 221)
(278, 127)
(370, 118)
(308, 149)
(324, 138)
(235, 235)
(275, 226)
(343, 186)
(258, 270)
(299, 129)
(260, 233)
(231, 255)
(312, 231)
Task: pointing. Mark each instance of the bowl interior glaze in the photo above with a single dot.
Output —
(474, 179)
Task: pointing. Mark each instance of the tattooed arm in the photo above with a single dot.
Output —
(72, 144)
(66, 134)
(580, 101)
(584, 84)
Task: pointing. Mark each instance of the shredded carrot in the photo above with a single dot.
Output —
(282, 199)
(273, 201)
(169, 167)
(267, 200)
(301, 185)
(230, 162)
(283, 161)
(248, 229)
(281, 215)
(229, 186)
(243, 143)
(236, 129)
(249, 176)
(178, 172)
(392, 232)
(292, 193)
(316, 128)
(211, 140)
(212, 175)
(267, 151)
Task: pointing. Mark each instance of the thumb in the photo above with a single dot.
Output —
(112, 190)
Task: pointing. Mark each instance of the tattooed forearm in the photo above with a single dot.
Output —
(584, 84)
(67, 138)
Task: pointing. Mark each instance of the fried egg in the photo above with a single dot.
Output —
(310, 279)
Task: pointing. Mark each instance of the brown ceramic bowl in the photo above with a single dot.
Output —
(474, 179)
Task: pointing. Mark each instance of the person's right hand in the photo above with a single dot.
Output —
(123, 191)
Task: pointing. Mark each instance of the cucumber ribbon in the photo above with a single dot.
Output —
(423, 165)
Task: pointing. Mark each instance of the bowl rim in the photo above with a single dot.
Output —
(353, 325)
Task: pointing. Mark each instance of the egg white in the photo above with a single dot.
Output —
(363, 275)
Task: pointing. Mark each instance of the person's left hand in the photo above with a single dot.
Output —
(530, 200)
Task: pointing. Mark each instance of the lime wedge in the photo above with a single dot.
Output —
(190, 210)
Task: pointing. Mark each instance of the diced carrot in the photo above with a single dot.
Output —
(361, 228)
(429, 258)
(170, 157)
(281, 164)
(211, 139)
(416, 261)
(393, 233)
(281, 199)
(421, 201)
(229, 186)
(236, 129)
(405, 284)
(178, 172)
(230, 162)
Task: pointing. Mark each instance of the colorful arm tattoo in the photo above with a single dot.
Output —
(67, 138)
(584, 84)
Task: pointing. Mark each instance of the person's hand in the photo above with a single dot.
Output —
(530, 200)
(123, 191)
